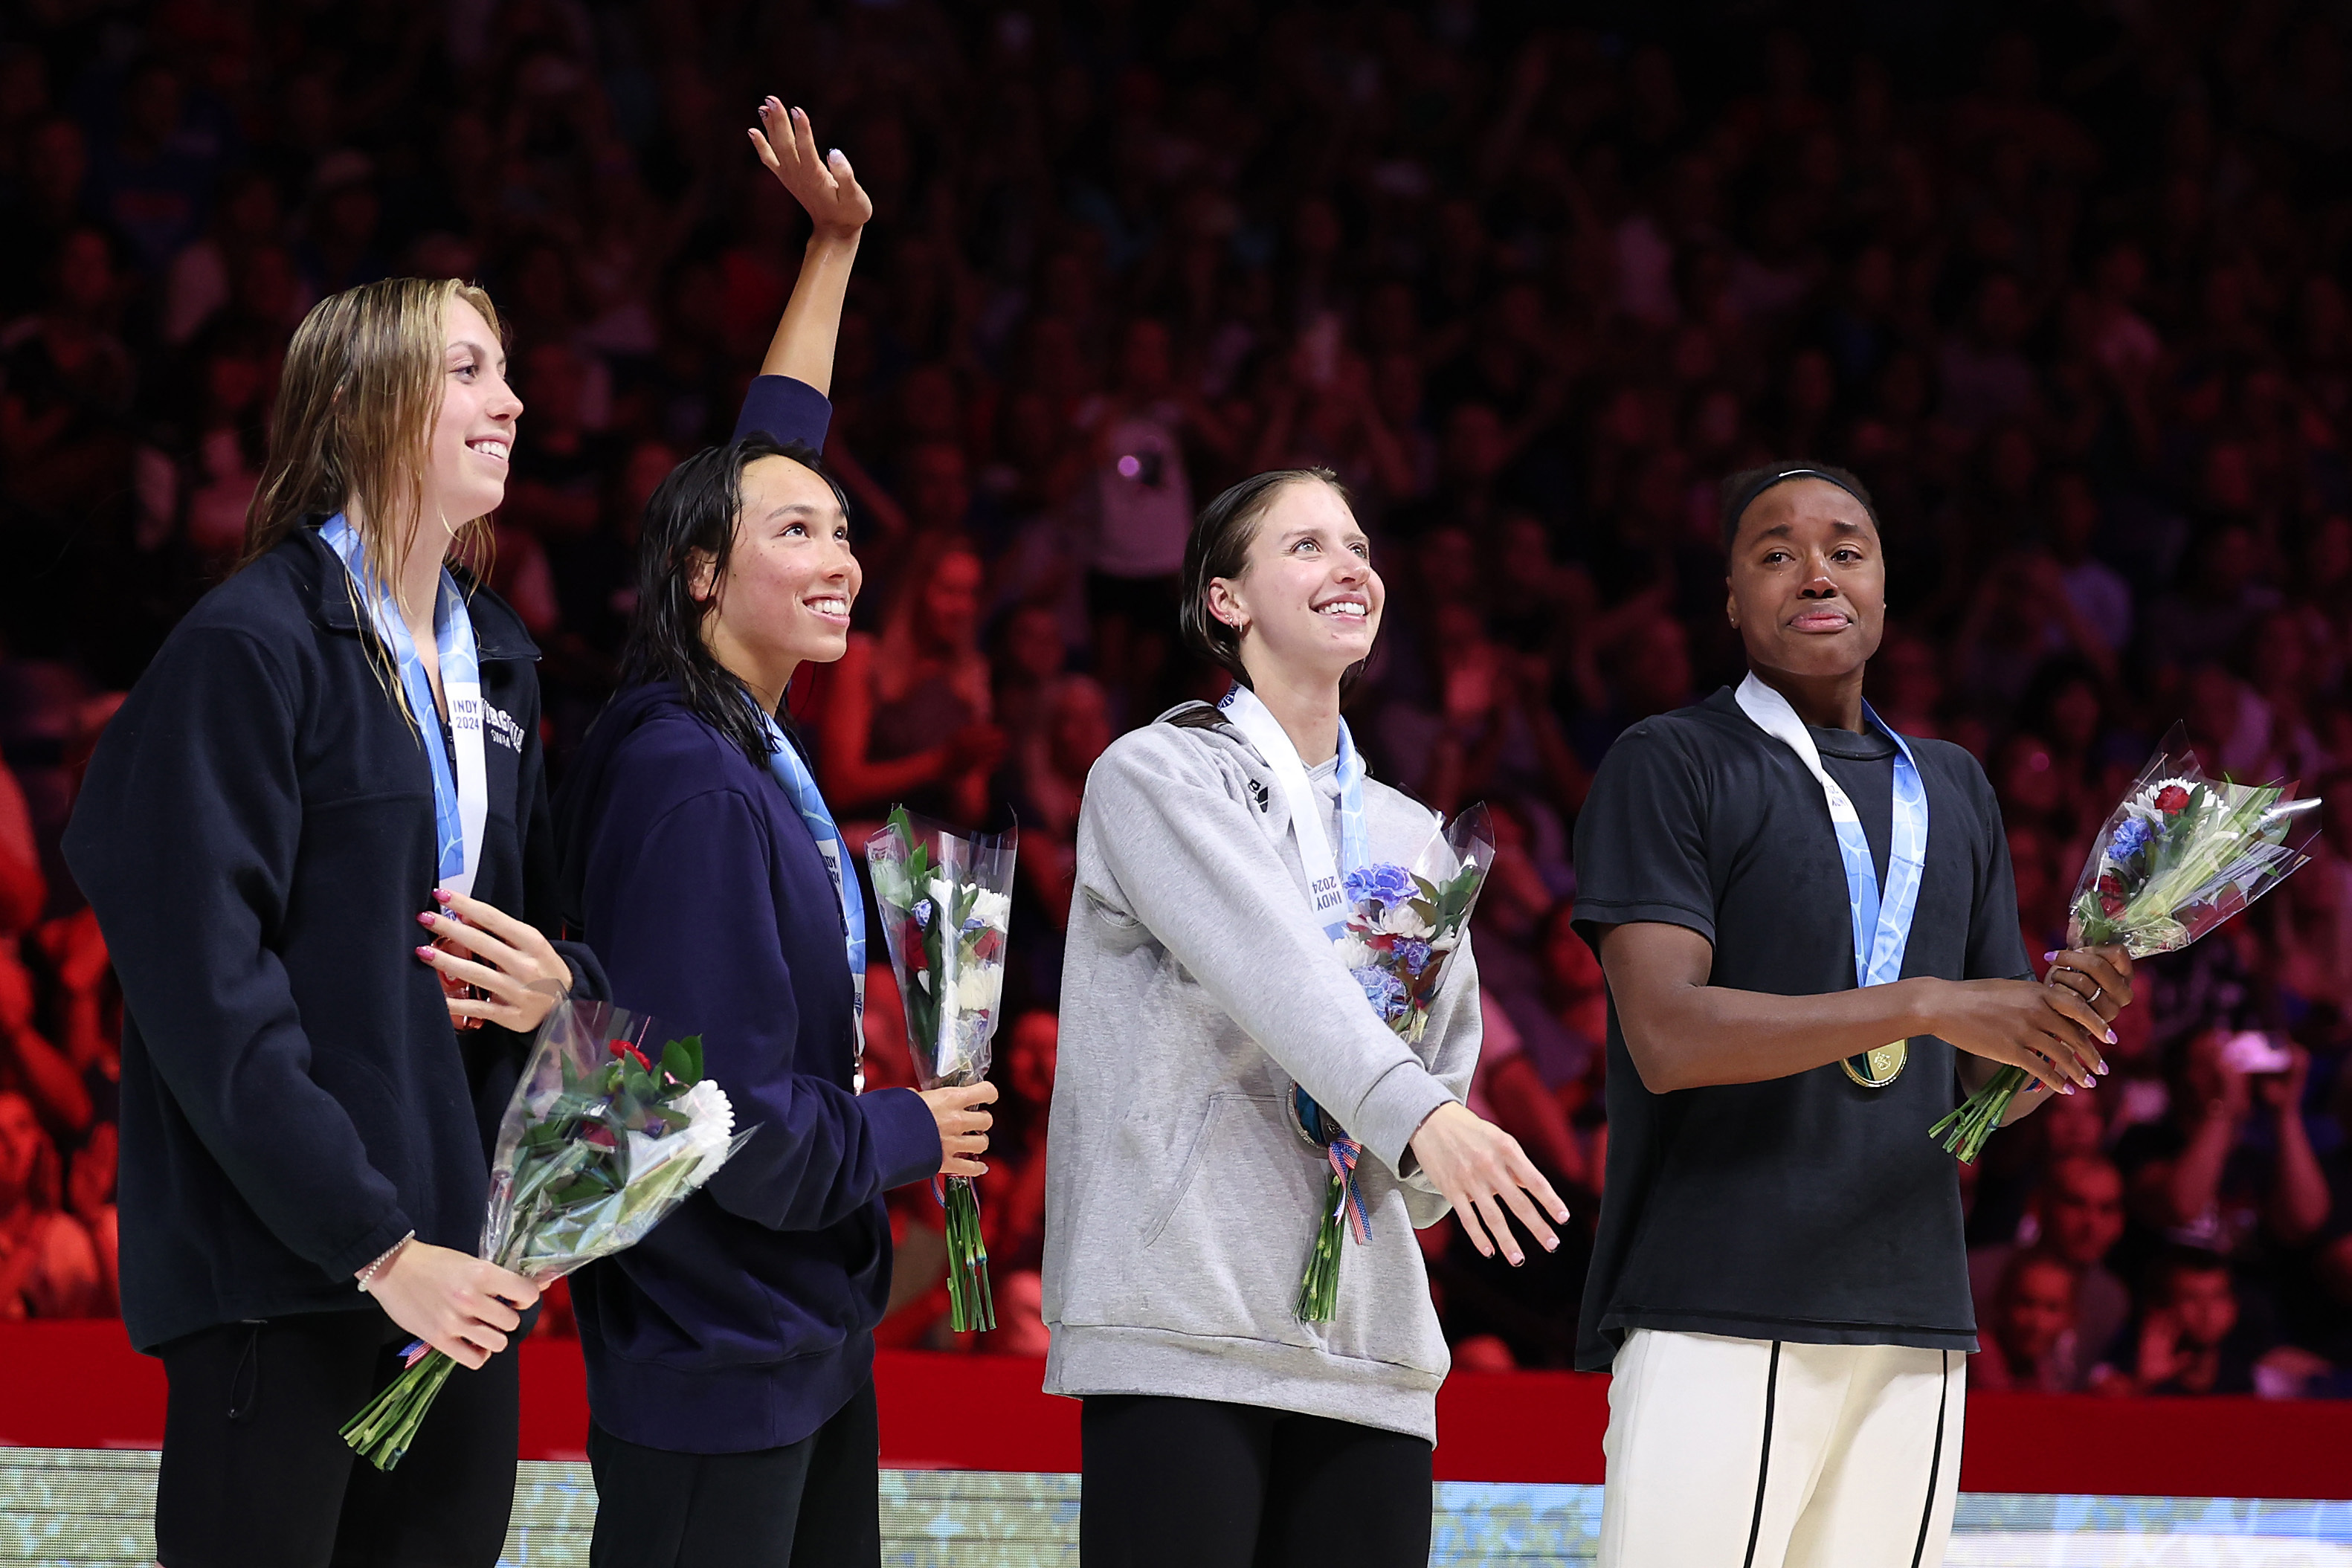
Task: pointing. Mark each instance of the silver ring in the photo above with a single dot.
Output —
(2098, 991)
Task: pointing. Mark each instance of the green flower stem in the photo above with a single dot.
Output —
(1318, 1292)
(1963, 1131)
(972, 1305)
(382, 1431)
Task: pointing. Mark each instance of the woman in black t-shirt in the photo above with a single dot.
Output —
(1780, 1278)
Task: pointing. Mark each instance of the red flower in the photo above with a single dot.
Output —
(622, 1048)
(2110, 905)
(2111, 884)
(2172, 799)
(988, 945)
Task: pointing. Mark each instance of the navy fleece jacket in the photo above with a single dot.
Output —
(256, 836)
(745, 1320)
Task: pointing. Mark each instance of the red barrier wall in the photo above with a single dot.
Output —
(80, 1385)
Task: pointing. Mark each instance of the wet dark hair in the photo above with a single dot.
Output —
(694, 513)
(1740, 492)
(1219, 547)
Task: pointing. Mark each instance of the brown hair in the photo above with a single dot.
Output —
(356, 403)
(1219, 547)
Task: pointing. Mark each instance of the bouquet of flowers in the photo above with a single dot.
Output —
(601, 1141)
(2181, 854)
(945, 899)
(1403, 925)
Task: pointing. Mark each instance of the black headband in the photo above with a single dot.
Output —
(1747, 497)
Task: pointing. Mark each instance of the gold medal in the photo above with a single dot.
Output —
(1877, 1068)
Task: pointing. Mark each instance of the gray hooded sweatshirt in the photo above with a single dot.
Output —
(1181, 1199)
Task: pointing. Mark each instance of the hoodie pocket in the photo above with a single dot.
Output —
(1190, 1169)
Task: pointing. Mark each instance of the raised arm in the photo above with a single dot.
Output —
(827, 189)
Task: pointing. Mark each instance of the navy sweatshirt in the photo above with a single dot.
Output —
(256, 836)
(746, 1319)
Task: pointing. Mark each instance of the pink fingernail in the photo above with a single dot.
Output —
(426, 920)
(425, 954)
(444, 895)
(2111, 1037)
(2047, 956)
(2103, 1069)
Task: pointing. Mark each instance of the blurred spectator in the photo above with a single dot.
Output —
(2071, 1222)
(49, 1268)
(2194, 1337)
(2031, 1331)
(909, 721)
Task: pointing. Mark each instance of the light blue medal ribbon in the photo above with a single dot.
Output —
(1882, 925)
(461, 792)
(1327, 895)
(785, 765)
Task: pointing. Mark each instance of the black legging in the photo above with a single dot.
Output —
(255, 1476)
(1193, 1483)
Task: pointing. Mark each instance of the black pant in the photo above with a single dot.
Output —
(1191, 1483)
(815, 1503)
(256, 1475)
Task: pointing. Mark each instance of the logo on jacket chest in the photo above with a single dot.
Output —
(500, 726)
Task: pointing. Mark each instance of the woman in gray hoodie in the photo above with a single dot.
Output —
(1200, 997)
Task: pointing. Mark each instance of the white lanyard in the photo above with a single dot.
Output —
(1326, 892)
(1881, 926)
(460, 804)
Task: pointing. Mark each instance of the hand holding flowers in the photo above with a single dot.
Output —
(463, 1306)
(601, 1141)
(2179, 856)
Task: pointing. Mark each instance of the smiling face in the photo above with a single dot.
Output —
(1808, 581)
(790, 579)
(473, 436)
(1307, 601)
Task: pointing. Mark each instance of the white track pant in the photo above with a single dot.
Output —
(1743, 1453)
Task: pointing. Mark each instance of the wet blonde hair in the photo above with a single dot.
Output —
(356, 403)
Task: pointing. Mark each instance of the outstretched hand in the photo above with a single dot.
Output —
(826, 187)
(1483, 1171)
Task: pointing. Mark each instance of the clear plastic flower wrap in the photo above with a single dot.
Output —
(2179, 856)
(1403, 924)
(604, 1138)
(946, 898)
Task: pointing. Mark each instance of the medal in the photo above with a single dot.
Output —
(1878, 1068)
(1881, 925)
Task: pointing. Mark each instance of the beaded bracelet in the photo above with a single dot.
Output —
(368, 1274)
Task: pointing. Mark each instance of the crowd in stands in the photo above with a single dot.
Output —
(2064, 282)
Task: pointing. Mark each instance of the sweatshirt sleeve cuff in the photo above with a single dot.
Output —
(372, 1244)
(906, 1135)
(787, 409)
(1394, 1109)
(588, 981)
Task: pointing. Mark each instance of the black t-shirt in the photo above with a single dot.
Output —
(1809, 1208)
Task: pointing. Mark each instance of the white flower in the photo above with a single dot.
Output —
(712, 1138)
(978, 988)
(1353, 954)
(993, 909)
(1400, 919)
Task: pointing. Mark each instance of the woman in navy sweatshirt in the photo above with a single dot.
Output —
(730, 1352)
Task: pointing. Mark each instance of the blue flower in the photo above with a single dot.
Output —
(1384, 990)
(2132, 835)
(1386, 882)
(1413, 955)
